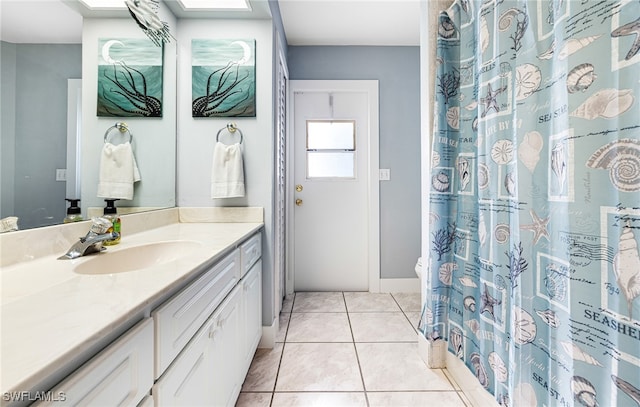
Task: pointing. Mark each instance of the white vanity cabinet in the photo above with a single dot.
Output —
(193, 346)
(121, 374)
(210, 369)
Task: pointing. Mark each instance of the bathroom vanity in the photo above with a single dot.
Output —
(179, 328)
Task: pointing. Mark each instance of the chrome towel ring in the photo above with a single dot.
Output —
(121, 127)
(231, 128)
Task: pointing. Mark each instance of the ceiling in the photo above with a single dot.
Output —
(306, 22)
(351, 22)
(39, 22)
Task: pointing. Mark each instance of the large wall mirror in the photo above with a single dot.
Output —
(51, 135)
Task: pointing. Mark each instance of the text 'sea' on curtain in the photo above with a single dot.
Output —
(534, 219)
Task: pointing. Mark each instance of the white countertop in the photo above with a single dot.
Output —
(50, 314)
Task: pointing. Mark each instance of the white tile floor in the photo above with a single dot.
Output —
(347, 349)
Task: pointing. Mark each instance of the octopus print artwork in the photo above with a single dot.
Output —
(129, 78)
(223, 78)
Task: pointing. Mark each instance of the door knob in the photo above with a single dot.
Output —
(299, 188)
(299, 202)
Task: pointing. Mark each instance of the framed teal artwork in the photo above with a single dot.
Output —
(129, 77)
(223, 78)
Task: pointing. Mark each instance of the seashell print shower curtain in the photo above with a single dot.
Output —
(534, 200)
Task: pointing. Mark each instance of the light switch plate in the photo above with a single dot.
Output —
(385, 174)
(61, 174)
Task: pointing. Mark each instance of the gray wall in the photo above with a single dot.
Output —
(8, 130)
(398, 71)
(197, 137)
(40, 128)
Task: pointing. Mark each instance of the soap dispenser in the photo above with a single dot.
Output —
(73, 211)
(111, 213)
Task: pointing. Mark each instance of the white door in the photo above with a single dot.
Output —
(335, 225)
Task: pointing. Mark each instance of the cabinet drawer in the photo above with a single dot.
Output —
(121, 374)
(251, 251)
(180, 318)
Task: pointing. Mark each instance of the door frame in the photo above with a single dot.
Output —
(370, 87)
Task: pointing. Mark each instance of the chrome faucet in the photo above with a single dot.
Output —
(92, 241)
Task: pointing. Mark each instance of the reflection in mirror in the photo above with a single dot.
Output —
(36, 68)
(51, 137)
(144, 12)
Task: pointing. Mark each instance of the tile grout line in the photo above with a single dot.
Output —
(365, 392)
(284, 345)
(355, 349)
(454, 384)
(404, 313)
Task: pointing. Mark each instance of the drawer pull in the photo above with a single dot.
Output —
(212, 333)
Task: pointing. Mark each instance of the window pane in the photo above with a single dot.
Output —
(330, 165)
(336, 135)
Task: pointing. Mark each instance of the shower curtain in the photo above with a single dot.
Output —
(534, 199)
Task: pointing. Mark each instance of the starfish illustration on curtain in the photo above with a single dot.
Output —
(632, 28)
(490, 101)
(488, 302)
(538, 227)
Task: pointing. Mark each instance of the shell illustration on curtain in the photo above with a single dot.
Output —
(534, 200)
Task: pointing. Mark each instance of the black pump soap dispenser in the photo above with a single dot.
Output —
(111, 213)
(73, 211)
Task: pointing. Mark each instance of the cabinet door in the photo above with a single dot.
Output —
(120, 375)
(252, 313)
(226, 350)
(187, 382)
(206, 372)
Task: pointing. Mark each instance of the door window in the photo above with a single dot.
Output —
(331, 148)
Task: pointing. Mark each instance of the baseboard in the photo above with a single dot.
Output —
(434, 358)
(433, 354)
(400, 285)
(468, 382)
(268, 339)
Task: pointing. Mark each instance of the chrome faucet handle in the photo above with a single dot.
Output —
(99, 226)
(92, 241)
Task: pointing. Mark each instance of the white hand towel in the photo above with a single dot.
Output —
(227, 174)
(118, 171)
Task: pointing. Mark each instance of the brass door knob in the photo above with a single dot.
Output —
(299, 202)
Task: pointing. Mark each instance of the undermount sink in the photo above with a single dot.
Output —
(136, 257)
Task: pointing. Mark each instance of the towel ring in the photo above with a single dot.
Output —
(122, 127)
(231, 128)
